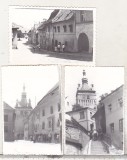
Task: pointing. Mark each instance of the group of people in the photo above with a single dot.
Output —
(96, 135)
(45, 138)
(60, 48)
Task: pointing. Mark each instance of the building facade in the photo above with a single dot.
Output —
(44, 122)
(9, 117)
(85, 106)
(74, 29)
(109, 117)
(22, 110)
(114, 116)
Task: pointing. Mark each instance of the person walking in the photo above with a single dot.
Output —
(91, 134)
(59, 47)
(63, 47)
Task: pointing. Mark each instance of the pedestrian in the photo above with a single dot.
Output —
(59, 47)
(91, 133)
(63, 47)
(95, 135)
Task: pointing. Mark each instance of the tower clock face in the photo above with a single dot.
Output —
(84, 96)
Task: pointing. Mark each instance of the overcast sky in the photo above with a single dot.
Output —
(38, 81)
(104, 79)
(26, 17)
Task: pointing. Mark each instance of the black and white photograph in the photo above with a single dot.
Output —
(49, 35)
(94, 107)
(31, 110)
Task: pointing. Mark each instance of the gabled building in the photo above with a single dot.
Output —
(9, 117)
(45, 32)
(85, 106)
(72, 28)
(44, 122)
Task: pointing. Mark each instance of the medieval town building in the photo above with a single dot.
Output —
(9, 117)
(109, 117)
(44, 122)
(72, 28)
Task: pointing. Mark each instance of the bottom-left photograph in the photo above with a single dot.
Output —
(32, 111)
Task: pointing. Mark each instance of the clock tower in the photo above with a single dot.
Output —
(86, 95)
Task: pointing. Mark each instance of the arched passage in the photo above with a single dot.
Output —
(83, 42)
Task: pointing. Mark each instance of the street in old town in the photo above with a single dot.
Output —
(26, 53)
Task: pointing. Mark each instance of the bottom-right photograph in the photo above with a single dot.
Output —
(94, 110)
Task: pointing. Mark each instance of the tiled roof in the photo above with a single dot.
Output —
(49, 93)
(63, 15)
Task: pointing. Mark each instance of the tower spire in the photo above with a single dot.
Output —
(84, 79)
(23, 97)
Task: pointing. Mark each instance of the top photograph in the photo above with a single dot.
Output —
(40, 35)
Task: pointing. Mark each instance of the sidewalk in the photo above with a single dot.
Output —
(97, 148)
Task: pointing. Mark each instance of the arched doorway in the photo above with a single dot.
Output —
(83, 42)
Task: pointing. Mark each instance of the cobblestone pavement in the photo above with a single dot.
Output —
(97, 148)
(25, 54)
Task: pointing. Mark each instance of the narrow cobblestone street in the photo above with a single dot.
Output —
(26, 54)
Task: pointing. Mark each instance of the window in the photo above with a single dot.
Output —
(58, 107)
(5, 129)
(58, 28)
(58, 123)
(65, 28)
(121, 125)
(54, 29)
(49, 123)
(120, 101)
(51, 109)
(71, 28)
(43, 112)
(82, 116)
(43, 125)
(112, 127)
(82, 16)
(110, 107)
(5, 118)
